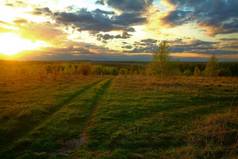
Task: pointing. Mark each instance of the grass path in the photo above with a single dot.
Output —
(101, 92)
(73, 144)
(64, 103)
(64, 130)
(28, 130)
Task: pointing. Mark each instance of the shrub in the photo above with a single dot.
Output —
(98, 70)
(104, 70)
(152, 69)
(49, 69)
(216, 136)
(123, 71)
(187, 72)
(197, 71)
(85, 69)
(224, 72)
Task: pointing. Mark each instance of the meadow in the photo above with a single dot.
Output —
(64, 110)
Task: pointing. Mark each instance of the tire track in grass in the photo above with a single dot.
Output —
(102, 91)
(52, 111)
(73, 144)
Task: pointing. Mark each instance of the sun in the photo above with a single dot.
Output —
(12, 44)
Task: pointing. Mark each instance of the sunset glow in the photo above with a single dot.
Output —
(12, 44)
(132, 27)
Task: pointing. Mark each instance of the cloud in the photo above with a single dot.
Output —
(98, 20)
(42, 11)
(117, 19)
(180, 46)
(143, 46)
(105, 37)
(203, 47)
(217, 16)
(193, 46)
(16, 3)
(104, 12)
(178, 17)
(86, 20)
(43, 31)
(131, 11)
(75, 51)
(127, 5)
(129, 19)
(229, 39)
(20, 21)
(230, 27)
(131, 14)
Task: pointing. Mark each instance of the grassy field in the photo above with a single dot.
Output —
(62, 116)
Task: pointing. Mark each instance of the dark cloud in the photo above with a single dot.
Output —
(104, 12)
(149, 41)
(101, 2)
(229, 39)
(219, 51)
(129, 19)
(42, 11)
(98, 20)
(127, 5)
(84, 20)
(180, 46)
(230, 27)
(194, 46)
(105, 37)
(143, 46)
(127, 47)
(203, 47)
(179, 17)
(131, 11)
(220, 15)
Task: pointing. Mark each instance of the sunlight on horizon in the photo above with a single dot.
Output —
(12, 44)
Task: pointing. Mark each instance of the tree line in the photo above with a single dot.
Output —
(161, 65)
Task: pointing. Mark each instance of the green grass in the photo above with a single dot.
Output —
(124, 117)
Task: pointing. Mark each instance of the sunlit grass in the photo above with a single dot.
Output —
(63, 110)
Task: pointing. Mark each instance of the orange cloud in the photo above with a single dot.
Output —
(43, 31)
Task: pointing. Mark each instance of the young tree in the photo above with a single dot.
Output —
(160, 64)
(162, 55)
(212, 67)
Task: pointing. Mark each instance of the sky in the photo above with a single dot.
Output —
(118, 30)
